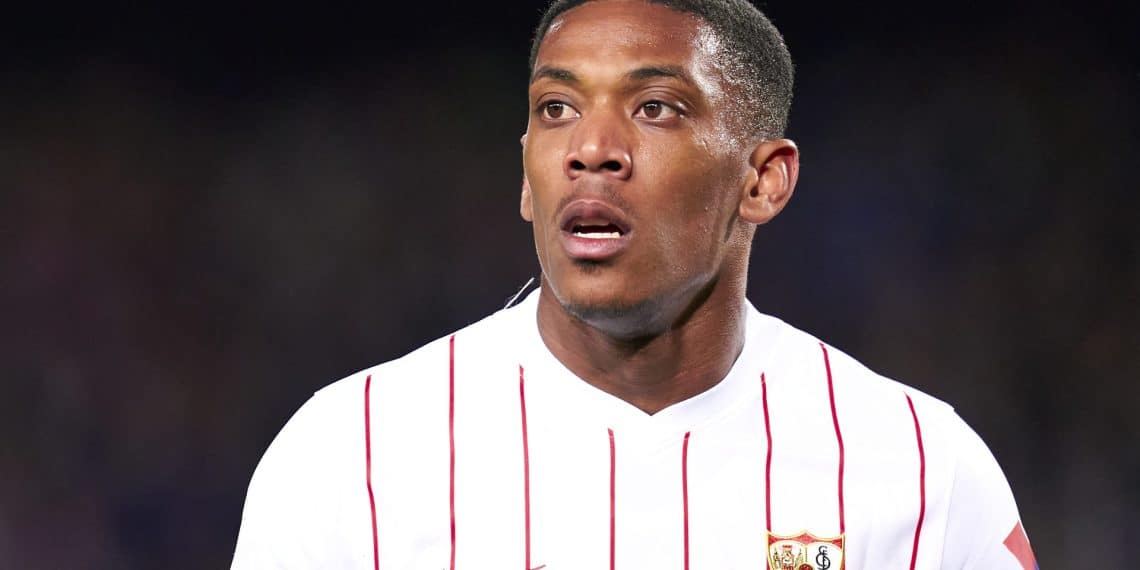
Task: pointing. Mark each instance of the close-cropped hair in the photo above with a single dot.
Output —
(758, 63)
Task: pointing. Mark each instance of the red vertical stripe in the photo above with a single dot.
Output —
(368, 470)
(921, 483)
(613, 513)
(838, 435)
(768, 461)
(451, 437)
(685, 492)
(526, 465)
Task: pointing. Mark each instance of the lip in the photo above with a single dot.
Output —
(593, 249)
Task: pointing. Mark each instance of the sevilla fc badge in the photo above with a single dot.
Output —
(805, 551)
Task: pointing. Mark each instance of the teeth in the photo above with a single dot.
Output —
(598, 235)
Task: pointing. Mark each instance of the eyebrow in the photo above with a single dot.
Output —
(657, 71)
(555, 73)
(638, 75)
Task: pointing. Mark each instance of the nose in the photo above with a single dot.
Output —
(599, 146)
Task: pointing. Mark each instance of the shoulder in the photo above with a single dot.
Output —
(335, 413)
(881, 414)
(863, 390)
(897, 427)
(308, 481)
(398, 391)
(944, 434)
(478, 339)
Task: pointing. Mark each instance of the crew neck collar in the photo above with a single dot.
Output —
(584, 402)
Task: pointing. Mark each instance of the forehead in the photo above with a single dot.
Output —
(616, 33)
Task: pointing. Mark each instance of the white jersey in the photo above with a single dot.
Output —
(482, 451)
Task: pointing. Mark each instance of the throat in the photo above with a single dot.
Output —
(648, 371)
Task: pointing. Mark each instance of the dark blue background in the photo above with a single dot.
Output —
(210, 211)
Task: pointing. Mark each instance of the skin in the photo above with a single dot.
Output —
(630, 109)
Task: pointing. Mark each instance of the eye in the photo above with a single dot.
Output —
(558, 111)
(656, 110)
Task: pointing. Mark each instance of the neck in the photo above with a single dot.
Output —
(690, 355)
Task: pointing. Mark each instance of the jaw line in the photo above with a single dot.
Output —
(634, 325)
(623, 323)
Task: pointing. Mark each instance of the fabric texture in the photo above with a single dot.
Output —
(486, 452)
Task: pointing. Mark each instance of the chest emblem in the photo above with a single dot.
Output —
(805, 551)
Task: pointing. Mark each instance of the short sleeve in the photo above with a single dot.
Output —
(983, 530)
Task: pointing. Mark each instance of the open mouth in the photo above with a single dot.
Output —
(596, 229)
(593, 230)
(594, 220)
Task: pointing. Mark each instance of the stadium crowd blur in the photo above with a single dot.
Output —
(209, 214)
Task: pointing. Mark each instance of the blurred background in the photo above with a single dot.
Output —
(209, 211)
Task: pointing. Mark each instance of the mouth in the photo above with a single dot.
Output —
(594, 230)
(593, 219)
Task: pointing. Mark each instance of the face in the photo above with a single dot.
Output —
(634, 174)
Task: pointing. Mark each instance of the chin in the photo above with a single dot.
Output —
(627, 305)
(612, 308)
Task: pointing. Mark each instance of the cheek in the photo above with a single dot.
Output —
(701, 196)
(698, 224)
(542, 170)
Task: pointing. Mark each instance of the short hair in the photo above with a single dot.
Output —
(759, 64)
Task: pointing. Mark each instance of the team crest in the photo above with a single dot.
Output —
(805, 551)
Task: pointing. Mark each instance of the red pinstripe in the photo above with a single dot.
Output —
(613, 513)
(526, 464)
(921, 483)
(838, 435)
(768, 461)
(368, 470)
(685, 492)
(451, 437)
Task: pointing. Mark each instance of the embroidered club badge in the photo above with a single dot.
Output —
(805, 551)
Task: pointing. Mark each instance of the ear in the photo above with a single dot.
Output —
(774, 167)
(526, 208)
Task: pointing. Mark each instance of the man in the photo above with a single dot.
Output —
(636, 412)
